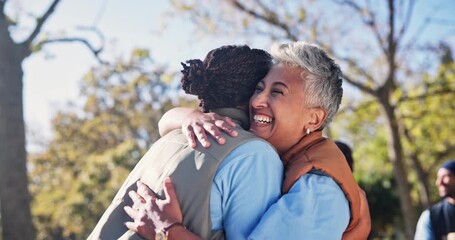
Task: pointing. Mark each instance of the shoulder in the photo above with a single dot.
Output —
(437, 207)
(255, 146)
(424, 230)
(254, 156)
(319, 182)
(425, 215)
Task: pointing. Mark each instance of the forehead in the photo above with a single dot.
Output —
(288, 75)
(444, 172)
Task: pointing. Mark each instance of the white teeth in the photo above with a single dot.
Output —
(262, 119)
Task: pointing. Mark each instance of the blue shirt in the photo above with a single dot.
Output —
(314, 208)
(246, 183)
(424, 230)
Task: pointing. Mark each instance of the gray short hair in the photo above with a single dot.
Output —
(322, 74)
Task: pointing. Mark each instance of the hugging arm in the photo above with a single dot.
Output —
(246, 184)
(151, 215)
(364, 225)
(173, 119)
(196, 124)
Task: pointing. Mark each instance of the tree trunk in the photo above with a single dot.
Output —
(422, 183)
(14, 194)
(395, 152)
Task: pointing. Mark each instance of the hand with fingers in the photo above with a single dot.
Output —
(150, 214)
(198, 124)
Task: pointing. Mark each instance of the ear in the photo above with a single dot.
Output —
(317, 117)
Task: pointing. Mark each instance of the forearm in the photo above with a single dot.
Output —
(315, 203)
(173, 119)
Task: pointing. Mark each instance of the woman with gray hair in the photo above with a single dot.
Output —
(290, 107)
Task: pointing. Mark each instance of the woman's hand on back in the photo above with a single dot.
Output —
(150, 214)
(197, 124)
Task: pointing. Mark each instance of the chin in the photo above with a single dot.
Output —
(257, 133)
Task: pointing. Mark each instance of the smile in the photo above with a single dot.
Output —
(262, 119)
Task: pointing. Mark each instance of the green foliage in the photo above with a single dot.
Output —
(384, 204)
(428, 122)
(94, 148)
(360, 126)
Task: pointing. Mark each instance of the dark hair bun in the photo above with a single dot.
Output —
(193, 77)
(227, 77)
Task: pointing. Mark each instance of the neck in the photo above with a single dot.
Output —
(302, 145)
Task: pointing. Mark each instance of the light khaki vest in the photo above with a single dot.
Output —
(191, 171)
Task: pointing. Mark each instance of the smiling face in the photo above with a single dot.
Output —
(445, 181)
(277, 110)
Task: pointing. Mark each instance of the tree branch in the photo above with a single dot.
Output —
(350, 80)
(96, 51)
(389, 84)
(262, 5)
(272, 18)
(40, 22)
(422, 27)
(407, 21)
(354, 64)
(360, 86)
(426, 95)
(369, 22)
(364, 105)
(92, 49)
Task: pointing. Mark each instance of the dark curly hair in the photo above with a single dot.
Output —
(227, 77)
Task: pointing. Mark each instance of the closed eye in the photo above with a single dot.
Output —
(277, 91)
(258, 89)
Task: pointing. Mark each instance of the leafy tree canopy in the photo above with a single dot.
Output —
(95, 147)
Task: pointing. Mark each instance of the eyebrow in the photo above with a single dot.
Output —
(275, 83)
(280, 84)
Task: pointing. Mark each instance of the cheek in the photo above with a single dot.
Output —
(446, 180)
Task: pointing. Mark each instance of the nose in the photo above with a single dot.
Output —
(438, 181)
(442, 180)
(259, 100)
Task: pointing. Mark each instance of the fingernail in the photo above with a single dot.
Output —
(167, 180)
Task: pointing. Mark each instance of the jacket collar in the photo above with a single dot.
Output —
(301, 146)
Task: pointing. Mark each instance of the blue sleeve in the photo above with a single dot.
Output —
(424, 230)
(246, 183)
(314, 208)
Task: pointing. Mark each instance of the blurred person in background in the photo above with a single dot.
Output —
(438, 222)
(347, 152)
